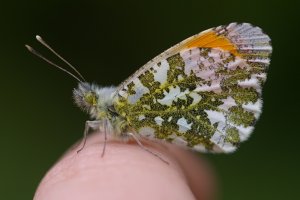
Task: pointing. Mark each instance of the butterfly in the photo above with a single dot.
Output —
(203, 93)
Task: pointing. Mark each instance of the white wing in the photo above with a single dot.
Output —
(204, 92)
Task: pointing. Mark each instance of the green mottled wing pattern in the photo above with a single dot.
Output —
(204, 93)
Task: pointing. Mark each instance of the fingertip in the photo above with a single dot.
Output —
(125, 172)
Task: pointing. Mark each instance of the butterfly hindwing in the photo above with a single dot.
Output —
(204, 92)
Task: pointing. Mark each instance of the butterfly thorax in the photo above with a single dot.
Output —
(98, 103)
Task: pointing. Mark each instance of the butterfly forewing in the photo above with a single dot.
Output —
(204, 92)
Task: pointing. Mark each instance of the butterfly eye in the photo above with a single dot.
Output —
(90, 98)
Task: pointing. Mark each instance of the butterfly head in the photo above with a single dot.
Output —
(95, 100)
(86, 97)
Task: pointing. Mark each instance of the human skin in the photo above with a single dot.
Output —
(126, 171)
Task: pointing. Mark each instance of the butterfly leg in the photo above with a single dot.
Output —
(145, 148)
(88, 124)
(105, 138)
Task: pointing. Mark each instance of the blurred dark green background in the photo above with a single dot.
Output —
(109, 41)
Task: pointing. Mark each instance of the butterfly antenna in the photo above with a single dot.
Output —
(50, 62)
(40, 40)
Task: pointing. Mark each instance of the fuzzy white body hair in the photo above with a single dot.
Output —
(94, 99)
(105, 100)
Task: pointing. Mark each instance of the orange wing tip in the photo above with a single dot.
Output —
(211, 39)
(242, 40)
